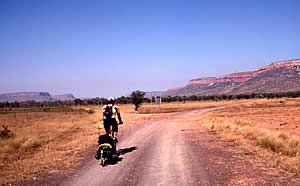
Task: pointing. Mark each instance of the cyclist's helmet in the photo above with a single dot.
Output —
(111, 100)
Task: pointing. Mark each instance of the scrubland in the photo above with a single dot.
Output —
(43, 141)
(48, 141)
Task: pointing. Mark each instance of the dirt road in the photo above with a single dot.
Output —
(171, 152)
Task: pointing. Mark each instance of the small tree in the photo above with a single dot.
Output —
(78, 102)
(137, 98)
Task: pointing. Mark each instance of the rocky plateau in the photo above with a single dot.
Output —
(281, 76)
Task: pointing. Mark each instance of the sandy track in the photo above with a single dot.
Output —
(169, 152)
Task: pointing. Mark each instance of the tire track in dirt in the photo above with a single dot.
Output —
(160, 159)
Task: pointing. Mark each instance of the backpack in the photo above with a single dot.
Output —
(108, 112)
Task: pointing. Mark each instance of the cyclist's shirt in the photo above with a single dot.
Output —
(115, 110)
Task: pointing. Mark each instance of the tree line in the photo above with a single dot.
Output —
(137, 97)
(75, 102)
(230, 97)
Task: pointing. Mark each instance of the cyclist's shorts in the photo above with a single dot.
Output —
(111, 122)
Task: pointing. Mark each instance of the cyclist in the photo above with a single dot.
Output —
(110, 111)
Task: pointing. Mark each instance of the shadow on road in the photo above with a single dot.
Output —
(126, 150)
(119, 153)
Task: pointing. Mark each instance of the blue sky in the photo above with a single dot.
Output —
(109, 48)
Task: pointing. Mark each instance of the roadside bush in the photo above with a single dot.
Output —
(6, 133)
(137, 98)
(91, 111)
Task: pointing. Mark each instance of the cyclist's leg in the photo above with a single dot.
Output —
(115, 128)
(106, 124)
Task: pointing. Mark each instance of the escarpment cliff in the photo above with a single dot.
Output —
(278, 77)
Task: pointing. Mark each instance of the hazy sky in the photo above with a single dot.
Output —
(109, 48)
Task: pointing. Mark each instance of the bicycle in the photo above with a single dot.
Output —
(106, 148)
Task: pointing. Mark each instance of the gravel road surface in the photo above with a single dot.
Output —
(170, 152)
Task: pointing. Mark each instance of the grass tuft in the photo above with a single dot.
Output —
(91, 111)
(6, 133)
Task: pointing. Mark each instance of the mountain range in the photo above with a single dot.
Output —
(281, 76)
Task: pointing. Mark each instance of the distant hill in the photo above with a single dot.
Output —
(63, 97)
(278, 77)
(154, 94)
(35, 96)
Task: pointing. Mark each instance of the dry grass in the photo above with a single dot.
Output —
(251, 124)
(182, 107)
(41, 141)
